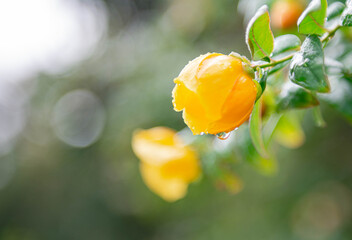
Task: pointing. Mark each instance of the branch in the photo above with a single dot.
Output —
(325, 39)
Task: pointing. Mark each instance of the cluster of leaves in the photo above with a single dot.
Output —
(308, 65)
(294, 72)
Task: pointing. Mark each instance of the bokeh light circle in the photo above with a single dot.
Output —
(79, 118)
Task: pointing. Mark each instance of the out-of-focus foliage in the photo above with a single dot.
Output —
(67, 170)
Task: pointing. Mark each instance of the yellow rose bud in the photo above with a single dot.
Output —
(167, 164)
(215, 92)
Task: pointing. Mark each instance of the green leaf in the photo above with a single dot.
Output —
(307, 66)
(285, 43)
(334, 10)
(318, 117)
(259, 37)
(270, 127)
(255, 130)
(346, 17)
(293, 96)
(340, 97)
(278, 67)
(283, 46)
(247, 152)
(262, 81)
(313, 18)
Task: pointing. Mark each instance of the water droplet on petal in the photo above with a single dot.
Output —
(223, 135)
(202, 133)
(236, 128)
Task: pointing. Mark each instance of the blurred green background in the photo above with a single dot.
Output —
(79, 76)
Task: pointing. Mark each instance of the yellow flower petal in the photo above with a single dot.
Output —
(238, 107)
(186, 168)
(215, 93)
(167, 164)
(157, 145)
(170, 189)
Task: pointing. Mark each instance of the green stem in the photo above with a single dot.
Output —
(318, 117)
(276, 62)
(325, 39)
(330, 34)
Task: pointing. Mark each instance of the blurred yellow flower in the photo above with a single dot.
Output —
(230, 182)
(167, 165)
(289, 132)
(215, 93)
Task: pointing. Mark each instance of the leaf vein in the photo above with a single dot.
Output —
(314, 20)
(255, 41)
